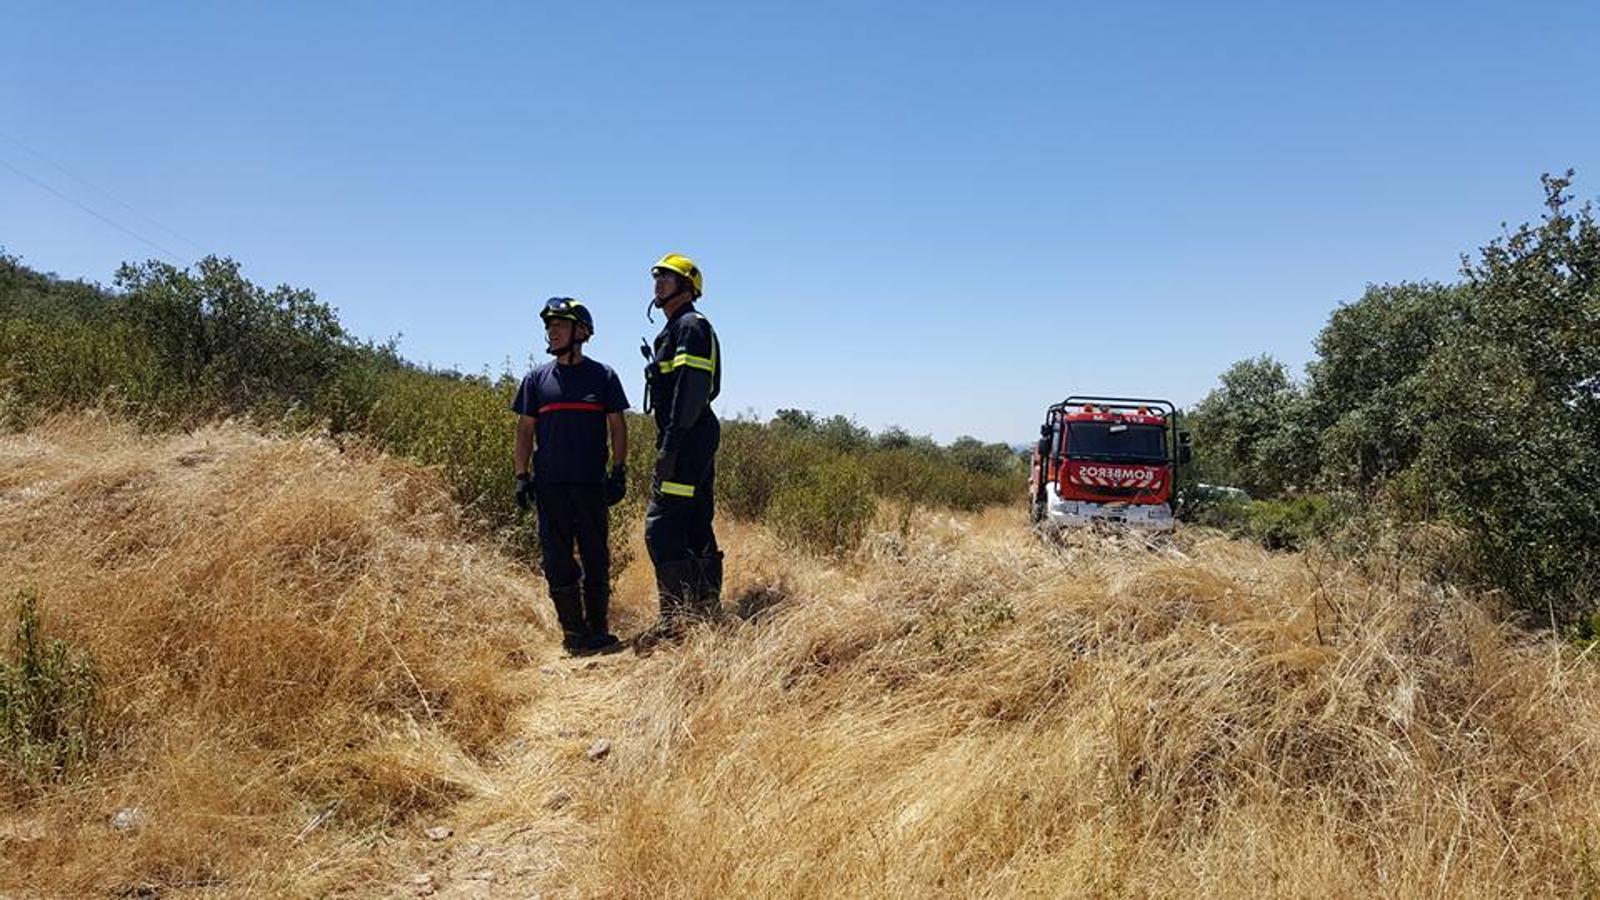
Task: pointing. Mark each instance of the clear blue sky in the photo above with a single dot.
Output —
(933, 214)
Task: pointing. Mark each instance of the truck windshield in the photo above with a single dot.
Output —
(1108, 440)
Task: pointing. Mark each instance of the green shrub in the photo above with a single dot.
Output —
(171, 345)
(1227, 513)
(48, 694)
(1288, 524)
(754, 462)
(66, 364)
(462, 426)
(826, 509)
(242, 346)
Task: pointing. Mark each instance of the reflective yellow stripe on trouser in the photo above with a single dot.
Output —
(674, 489)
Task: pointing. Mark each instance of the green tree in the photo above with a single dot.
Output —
(1362, 401)
(1511, 448)
(802, 420)
(842, 433)
(1251, 430)
(980, 458)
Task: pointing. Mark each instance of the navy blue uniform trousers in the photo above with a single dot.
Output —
(575, 515)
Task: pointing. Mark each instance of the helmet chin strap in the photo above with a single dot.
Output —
(562, 353)
(654, 304)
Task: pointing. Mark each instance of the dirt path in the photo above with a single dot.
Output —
(513, 840)
(554, 781)
(519, 837)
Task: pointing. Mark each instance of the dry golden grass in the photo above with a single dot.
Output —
(964, 712)
(974, 714)
(286, 633)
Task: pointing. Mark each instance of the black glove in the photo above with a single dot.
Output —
(527, 494)
(616, 484)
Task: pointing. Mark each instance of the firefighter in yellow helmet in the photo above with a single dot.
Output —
(683, 376)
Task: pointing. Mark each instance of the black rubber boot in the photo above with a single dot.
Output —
(568, 600)
(675, 583)
(596, 605)
(710, 586)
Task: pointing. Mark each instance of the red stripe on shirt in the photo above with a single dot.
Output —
(579, 407)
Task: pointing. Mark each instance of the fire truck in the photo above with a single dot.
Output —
(1107, 460)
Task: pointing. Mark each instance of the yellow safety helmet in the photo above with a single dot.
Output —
(683, 265)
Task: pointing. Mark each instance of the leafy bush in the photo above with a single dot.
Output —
(759, 463)
(826, 509)
(1282, 524)
(1227, 513)
(918, 478)
(239, 345)
(755, 461)
(173, 345)
(47, 702)
(55, 364)
(460, 425)
(1290, 524)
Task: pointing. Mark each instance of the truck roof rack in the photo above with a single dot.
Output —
(1120, 404)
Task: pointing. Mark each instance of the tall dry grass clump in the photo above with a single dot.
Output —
(975, 714)
(294, 649)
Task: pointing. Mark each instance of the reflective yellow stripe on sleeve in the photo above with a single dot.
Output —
(685, 359)
(698, 362)
(674, 489)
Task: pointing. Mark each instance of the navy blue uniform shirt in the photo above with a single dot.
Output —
(570, 404)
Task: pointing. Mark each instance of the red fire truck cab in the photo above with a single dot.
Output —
(1109, 460)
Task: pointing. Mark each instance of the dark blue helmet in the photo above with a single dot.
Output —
(567, 308)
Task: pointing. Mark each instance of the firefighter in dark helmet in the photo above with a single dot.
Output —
(682, 378)
(567, 409)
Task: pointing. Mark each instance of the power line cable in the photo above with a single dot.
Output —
(172, 257)
(104, 193)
